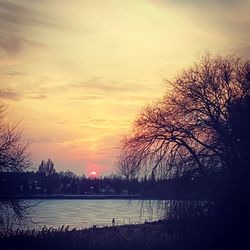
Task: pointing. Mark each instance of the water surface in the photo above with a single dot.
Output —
(86, 213)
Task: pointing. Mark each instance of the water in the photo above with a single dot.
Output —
(86, 213)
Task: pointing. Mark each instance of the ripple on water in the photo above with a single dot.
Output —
(84, 213)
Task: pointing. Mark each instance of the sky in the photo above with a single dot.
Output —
(77, 73)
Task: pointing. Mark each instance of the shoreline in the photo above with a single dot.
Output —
(95, 197)
(72, 197)
(162, 234)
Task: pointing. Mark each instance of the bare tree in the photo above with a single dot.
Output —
(14, 157)
(128, 163)
(202, 127)
(191, 128)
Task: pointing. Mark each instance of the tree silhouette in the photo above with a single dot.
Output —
(14, 157)
(47, 168)
(14, 154)
(128, 164)
(193, 128)
(201, 127)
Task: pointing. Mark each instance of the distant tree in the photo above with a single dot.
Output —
(47, 168)
(70, 174)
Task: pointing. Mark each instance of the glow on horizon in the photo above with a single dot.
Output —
(93, 174)
(77, 75)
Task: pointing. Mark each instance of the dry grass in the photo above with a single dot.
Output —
(173, 235)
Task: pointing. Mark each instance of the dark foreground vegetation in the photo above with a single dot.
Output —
(172, 235)
(147, 236)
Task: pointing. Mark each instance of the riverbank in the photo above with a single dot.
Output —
(73, 197)
(174, 235)
(96, 197)
(145, 236)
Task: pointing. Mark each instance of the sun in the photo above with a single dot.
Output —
(93, 174)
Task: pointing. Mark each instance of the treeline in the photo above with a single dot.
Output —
(36, 183)
(16, 183)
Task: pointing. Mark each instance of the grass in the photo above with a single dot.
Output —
(157, 235)
(173, 235)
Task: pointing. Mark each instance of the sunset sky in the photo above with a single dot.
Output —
(76, 73)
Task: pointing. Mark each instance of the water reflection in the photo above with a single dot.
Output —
(86, 213)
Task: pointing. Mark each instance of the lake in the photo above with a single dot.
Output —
(86, 213)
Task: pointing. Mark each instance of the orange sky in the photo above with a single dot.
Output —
(76, 73)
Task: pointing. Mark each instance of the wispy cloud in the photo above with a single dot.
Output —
(23, 14)
(101, 88)
(225, 4)
(13, 45)
(37, 97)
(109, 151)
(19, 19)
(87, 97)
(6, 94)
(225, 20)
(14, 73)
(100, 84)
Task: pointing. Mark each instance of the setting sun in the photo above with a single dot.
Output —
(93, 174)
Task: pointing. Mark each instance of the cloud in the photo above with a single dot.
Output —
(98, 121)
(99, 84)
(107, 151)
(88, 97)
(6, 94)
(11, 45)
(38, 97)
(19, 22)
(208, 3)
(224, 20)
(14, 73)
(100, 88)
(16, 15)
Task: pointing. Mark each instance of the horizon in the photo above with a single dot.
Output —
(76, 76)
